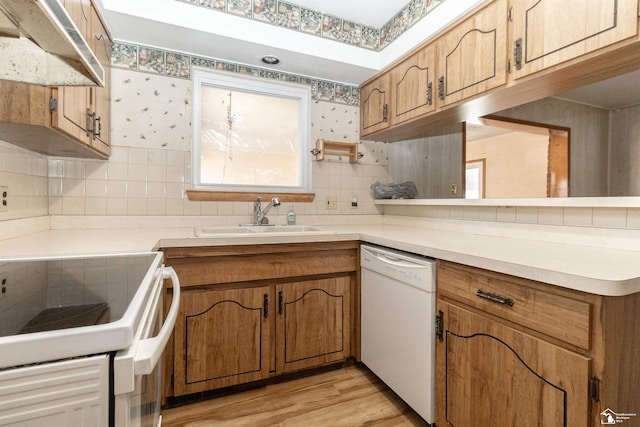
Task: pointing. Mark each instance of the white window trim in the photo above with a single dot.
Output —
(283, 89)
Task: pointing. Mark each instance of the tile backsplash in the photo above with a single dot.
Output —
(150, 166)
(150, 170)
(25, 174)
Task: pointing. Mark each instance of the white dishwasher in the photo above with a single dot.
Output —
(398, 303)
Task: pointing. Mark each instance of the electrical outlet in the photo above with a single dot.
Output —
(354, 202)
(454, 188)
(331, 203)
(4, 197)
(3, 285)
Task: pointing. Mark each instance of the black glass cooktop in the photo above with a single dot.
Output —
(51, 294)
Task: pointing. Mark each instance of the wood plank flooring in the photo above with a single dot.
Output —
(345, 397)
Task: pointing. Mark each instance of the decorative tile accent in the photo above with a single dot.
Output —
(239, 7)
(352, 33)
(288, 15)
(243, 69)
(326, 91)
(227, 66)
(291, 16)
(124, 55)
(151, 60)
(203, 62)
(178, 65)
(370, 38)
(311, 22)
(332, 27)
(265, 10)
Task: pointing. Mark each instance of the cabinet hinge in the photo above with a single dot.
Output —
(594, 389)
(517, 54)
(441, 88)
(510, 14)
(439, 325)
(53, 104)
(430, 93)
(638, 9)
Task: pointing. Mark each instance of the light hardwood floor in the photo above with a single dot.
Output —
(346, 397)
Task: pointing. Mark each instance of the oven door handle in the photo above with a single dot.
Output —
(149, 350)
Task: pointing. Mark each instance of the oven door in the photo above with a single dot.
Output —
(137, 371)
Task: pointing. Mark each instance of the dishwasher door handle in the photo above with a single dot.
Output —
(390, 259)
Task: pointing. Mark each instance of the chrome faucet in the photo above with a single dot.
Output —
(259, 214)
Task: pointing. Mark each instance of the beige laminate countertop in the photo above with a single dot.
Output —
(597, 270)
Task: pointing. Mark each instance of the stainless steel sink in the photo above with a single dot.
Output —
(258, 230)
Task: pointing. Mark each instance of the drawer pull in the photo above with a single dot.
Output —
(495, 297)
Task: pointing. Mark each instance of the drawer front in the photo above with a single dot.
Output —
(245, 268)
(554, 315)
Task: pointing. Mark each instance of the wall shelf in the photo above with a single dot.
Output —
(336, 148)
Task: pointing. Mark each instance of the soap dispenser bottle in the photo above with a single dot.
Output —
(291, 216)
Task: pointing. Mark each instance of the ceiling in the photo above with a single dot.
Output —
(177, 25)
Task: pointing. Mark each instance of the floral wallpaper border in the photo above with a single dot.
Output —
(174, 64)
(294, 17)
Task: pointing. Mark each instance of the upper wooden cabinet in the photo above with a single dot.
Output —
(472, 55)
(375, 99)
(65, 121)
(101, 96)
(413, 86)
(502, 54)
(549, 32)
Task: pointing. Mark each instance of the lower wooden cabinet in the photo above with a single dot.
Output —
(223, 338)
(496, 375)
(515, 352)
(313, 323)
(249, 313)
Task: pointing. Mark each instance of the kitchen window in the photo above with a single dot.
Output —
(250, 136)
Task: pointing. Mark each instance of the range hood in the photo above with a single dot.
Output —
(40, 44)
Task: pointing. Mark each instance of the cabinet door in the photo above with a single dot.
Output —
(374, 105)
(101, 96)
(489, 374)
(472, 56)
(549, 32)
(222, 338)
(412, 83)
(313, 323)
(71, 114)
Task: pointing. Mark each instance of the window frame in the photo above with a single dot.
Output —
(225, 80)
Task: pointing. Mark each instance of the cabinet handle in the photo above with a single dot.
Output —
(91, 120)
(495, 297)
(517, 54)
(441, 88)
(280, 298)
(440, 325)
(429, 93)
(97, 126)
(384, 113)
(265, 305)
